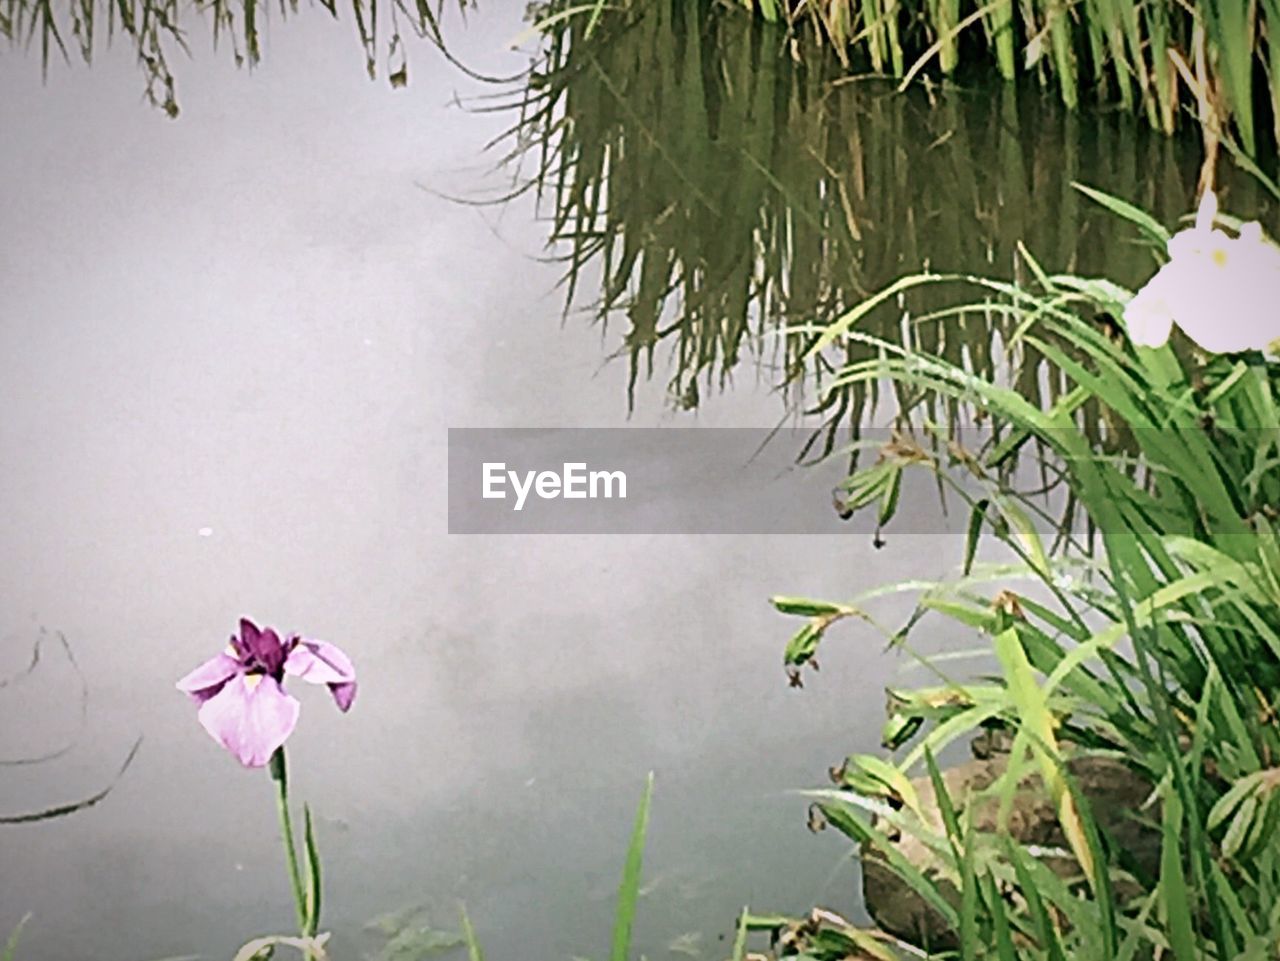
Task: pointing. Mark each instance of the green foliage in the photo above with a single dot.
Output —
(1111, 50)
(713, 199)
(1155, 642)
(154, 30)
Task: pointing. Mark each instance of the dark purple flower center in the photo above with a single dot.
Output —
(262, 652)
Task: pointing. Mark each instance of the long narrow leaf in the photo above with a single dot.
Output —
(629, 889)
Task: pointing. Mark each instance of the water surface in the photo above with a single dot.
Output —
(230, 348)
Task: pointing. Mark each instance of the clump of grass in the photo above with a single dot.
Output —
(706, 194)
(1107, 50)
(1160, 649)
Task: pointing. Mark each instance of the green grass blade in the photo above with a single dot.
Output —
(1173, 883)
(474, 951)
(11, 946)
(311, 867)
(629, 889)
(1000, 921)
(969, 938)
(973, 533)
(1148, 224)
(740, 938)
(1037, 722)
(942, 797)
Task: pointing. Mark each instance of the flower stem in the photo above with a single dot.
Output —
(280, 775)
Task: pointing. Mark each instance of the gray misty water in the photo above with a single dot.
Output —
(230, 348)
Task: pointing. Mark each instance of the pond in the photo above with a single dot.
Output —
(231, 349)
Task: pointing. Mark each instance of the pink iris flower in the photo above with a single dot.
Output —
(243, 703)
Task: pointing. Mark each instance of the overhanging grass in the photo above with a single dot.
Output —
(157, 30)
(707, 193)
(1107, 50)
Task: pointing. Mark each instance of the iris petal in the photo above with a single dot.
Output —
(208, 679)
(263, 646)
(319, 662)
(249, 635)
(1219, 290)
(343, 695)
(251, 716)
(1148, 318)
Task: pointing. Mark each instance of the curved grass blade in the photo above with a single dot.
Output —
(312, 949)
(62, 810)
(1144, 221)
(1033, 712)
(83, 698)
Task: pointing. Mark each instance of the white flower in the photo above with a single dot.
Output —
(1224, 292)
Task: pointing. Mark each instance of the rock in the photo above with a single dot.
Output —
(1115, 794)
